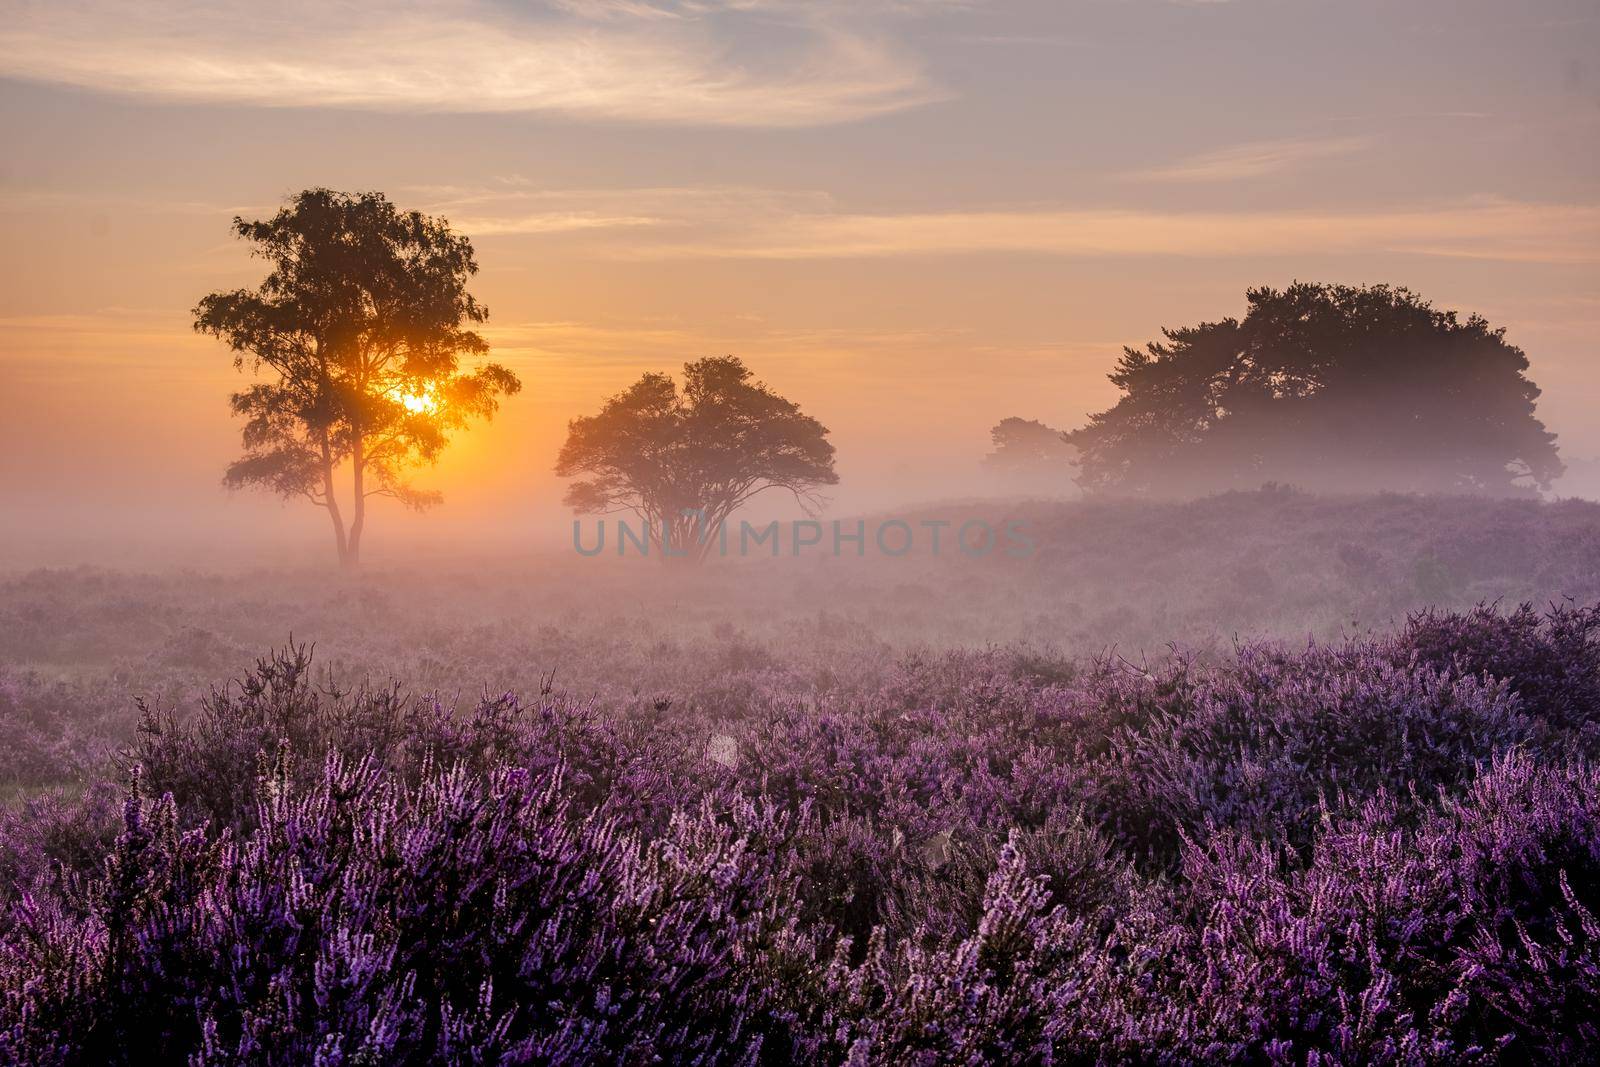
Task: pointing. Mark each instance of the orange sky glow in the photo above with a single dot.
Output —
(915, 217)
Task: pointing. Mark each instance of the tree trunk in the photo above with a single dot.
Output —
(677, 541)
(332, 503)
(358, 521)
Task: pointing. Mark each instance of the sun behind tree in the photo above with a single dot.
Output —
(361, 323)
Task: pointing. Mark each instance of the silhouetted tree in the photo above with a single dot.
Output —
(362, 323)
(1029, 453)
(1326, 387)
(665, 455)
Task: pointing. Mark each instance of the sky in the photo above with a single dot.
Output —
(914, 217)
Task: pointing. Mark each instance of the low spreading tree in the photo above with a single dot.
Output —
(684, 461)
(361, 325)
(1029, 454)
(1328, 387)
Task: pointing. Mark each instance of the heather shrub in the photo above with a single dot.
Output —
(464, 918)
(209, 760)
(1548, 660)
(1457, 938)
(1150, 758)
(45, 736)
(1372, 851)
(55, 829)
(994, 995)
(1261, 747)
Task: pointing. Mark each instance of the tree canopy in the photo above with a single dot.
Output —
(1328, 387)
(685, 461)
(1029, 454)
(361, 324)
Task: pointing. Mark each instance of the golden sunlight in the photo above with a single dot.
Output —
(423, 403)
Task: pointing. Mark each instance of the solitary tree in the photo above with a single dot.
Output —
(1029, 453)
(1327, 387)
(684, 462)
(361, 324)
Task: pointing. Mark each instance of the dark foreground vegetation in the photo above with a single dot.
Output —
(1383, 850)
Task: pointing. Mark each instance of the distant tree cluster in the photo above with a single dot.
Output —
(365, 317)
(1030, 455)
(1328, 387)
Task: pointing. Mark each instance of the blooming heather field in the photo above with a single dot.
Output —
(953, 813)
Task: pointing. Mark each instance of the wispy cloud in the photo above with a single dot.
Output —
(1490, 229)
(553, 222)
(737, 222)
(679, 62)
(751, 222)
(1252, 160)
(508, 208)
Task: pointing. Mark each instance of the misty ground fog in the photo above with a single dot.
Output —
(1128, 580)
